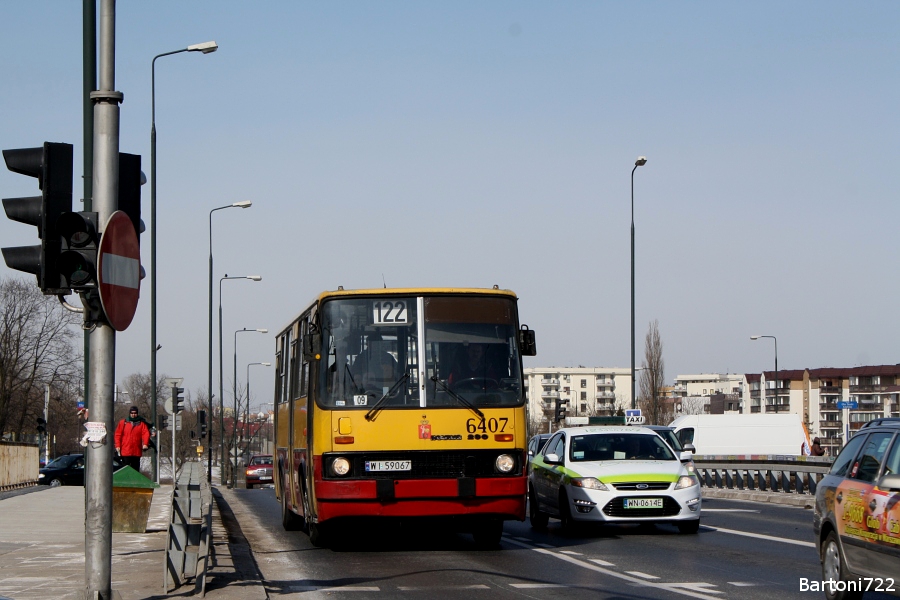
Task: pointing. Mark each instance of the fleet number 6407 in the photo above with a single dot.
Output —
(484, 425)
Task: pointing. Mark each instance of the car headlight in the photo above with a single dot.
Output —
(41, 476)
(504, 463)
(686, 481)
(590, 483)
(340, 466)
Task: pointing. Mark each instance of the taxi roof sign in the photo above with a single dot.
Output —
(606, 420)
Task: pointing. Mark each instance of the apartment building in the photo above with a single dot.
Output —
(590, 391)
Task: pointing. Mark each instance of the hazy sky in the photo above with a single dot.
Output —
(482, 143)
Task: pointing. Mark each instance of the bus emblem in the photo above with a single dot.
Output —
(424, 431)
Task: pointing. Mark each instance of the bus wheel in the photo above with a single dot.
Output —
(317, 534)
(289, 520)
(487, 534)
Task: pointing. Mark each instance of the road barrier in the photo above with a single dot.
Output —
(190, 530)
(764, 473)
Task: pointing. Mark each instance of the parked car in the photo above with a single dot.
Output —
(535, 444)
(612, 474)
(259, 470)
(857, 514)
(68, 470)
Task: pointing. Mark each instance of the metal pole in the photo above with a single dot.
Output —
(633, 389)
(46, 435)
(89, 84)
(234, 419)
(210, 381)
(224, 471)
(98, 483)
(174, 430)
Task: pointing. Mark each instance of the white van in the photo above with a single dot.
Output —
(734, 434)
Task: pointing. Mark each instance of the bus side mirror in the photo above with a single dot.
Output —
(526, 342)
(312, 346)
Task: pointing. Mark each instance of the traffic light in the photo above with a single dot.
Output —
(41, 425)
(130, 181)
(560, 413)
(77, 261)
(163, 422)
(201, 420)
(51, 164)
(177, 399)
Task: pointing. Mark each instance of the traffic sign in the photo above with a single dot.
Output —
(841, 405)
(119, 270)
(632, 412)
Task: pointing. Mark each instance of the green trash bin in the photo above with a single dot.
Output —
(132, 496)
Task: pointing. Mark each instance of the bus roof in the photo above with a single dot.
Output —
(427, 291)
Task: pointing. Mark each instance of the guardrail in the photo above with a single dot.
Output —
(764, 473)
(190, 530)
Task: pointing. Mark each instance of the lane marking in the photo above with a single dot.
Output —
(350, 588)
(571, 553)
(420, 588)
(699, 587)
(602, 563)
(761, 536)
(744, 510)
(536, 586)
(598, 569)
(741, 584)
(642, 575)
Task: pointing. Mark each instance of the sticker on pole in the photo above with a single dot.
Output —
(119, 270)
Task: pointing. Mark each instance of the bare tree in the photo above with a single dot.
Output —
(694, 405)
(656, 410)
(36, 349)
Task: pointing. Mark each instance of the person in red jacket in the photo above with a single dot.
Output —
(132, 438)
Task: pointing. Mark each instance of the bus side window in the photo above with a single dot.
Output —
(278, 357)
(295, 370)
(285, 344)
(304, 368)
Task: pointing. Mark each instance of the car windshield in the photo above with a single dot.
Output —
(63, 461)
(261, 460)
(374, 348)
(625, 446)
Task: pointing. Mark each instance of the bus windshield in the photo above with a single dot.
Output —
(373, 348)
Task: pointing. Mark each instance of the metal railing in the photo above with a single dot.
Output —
(189, 535)
(764, 473)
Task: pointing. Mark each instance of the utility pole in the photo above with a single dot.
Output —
(102, 338)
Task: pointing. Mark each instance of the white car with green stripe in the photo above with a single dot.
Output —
(613, 474)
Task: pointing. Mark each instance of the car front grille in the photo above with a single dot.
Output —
(616, 508)
(648, 485)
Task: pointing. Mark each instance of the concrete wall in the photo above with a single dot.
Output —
(19, 464)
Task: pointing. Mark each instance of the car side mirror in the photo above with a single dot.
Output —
(686, 457)
(890, 483)
(552, 459)
(690, 448)
(527, 346)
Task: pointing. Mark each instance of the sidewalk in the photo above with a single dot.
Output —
(42, 550)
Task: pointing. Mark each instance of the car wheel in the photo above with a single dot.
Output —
(55, 482)
(835, 569)
(487, 535)
(565, 513)
(689, 526)
(538, 518)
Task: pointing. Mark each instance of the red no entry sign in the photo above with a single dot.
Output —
(119, 270)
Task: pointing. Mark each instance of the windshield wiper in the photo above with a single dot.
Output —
(457, 397)
(373, 412)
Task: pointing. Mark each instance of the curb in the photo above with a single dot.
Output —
(800, 501)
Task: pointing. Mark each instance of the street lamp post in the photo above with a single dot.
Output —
(235, 415)
(640, 162)
(204, 48)
(774, 339)
(243, 204)
(221, 386)
(264, 364)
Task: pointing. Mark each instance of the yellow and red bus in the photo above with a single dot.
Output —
(402, 403)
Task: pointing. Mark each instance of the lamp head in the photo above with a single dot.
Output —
(641, 161)
(263, 330)
(243, 204)
(266, 364)
(205, 47)
(254, 277)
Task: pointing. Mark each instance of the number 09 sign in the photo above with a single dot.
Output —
(390, 312)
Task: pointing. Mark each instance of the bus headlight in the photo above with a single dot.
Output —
(340, 466)
(505, 463)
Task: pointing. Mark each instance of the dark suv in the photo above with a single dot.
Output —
(857, 517)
